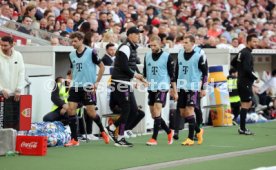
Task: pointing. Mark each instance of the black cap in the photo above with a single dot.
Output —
(132, 30)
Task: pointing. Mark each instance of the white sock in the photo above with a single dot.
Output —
(112, 127)
(120, 137)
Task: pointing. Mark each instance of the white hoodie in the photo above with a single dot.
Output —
(12, 72)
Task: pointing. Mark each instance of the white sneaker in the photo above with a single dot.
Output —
(130, 134)
(91, 137)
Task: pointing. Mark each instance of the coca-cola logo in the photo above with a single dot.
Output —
(30, 145)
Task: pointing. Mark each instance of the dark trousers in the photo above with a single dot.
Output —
(135, 116)
(235, 107)
(134, 119)
(124, 98)
(56, 116)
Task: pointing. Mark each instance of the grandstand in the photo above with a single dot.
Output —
(220, 28)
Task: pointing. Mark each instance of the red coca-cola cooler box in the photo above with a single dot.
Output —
(31, 145)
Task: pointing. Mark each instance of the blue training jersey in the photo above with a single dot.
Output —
(157, 72)
(189, 75)
(83, 69)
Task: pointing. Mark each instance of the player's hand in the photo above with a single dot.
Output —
(5, 94)
(138, 76)
(175, 95)
(202, 93)
(141, 78)
(95, 87)
(65, 106)
(16, 96)
(145, 82)
(63, 111)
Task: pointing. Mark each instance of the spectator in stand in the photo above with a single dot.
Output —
(94, 25)
(29, 12)
(27, 22)
(150, 14)
(54, 41)
(122, 12)
(76, 19)
(51, 20)
(235, 43)
(64, 16)
(223, 43)
(5, 14)
(41, 8)
(219, 17)
(214, 31)
(70, 26)
(109, 57)
(43, 24)
(102, 22)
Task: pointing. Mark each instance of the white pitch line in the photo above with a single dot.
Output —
(204, 158)
(221, 146)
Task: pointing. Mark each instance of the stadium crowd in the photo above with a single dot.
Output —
(215, 23)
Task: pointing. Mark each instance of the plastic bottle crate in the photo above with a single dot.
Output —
(31, 145)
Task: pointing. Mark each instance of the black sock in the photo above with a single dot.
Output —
(191, 121)
(243, 113)
(97, 120)
(88, 122)
(156, 127)
(197, 129)
(73, 127)
(164, 126)
(197, 125)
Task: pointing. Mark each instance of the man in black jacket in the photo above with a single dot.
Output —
(124, 70)
(109, 57)
(243, 62)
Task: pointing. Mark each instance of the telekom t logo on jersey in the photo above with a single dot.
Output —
(154, 70)
(185, 69)
(79, 66)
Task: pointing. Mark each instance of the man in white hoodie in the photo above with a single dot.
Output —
(12, 69)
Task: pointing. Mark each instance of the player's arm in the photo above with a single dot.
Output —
(171, 69)
(145, 68)
(203, 67)
(171, 72)
(122, 57)
(101, 72)
(100, 64)
(176, 70)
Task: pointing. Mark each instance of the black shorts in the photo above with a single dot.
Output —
(245, 92)
(157, 97)
(80, 95)
(187, 98)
